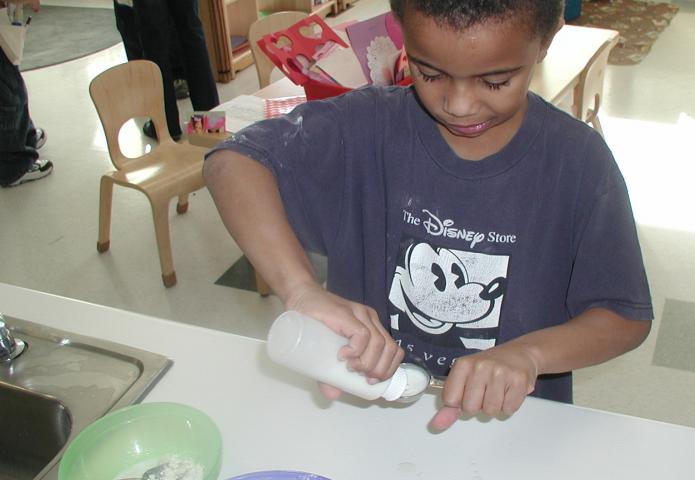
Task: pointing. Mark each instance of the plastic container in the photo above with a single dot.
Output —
(573, 9)
(138, 437)
(309, 347)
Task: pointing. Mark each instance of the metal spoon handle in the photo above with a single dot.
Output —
(437, 382)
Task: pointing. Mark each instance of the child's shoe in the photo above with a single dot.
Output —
(40, 168)
(40, 138)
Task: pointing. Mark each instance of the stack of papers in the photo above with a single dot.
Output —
(242, 111)
(246, 110)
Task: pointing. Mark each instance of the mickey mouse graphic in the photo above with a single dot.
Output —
(439, 289)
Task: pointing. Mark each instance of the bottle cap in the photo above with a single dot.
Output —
(397, 385)
(284, 336)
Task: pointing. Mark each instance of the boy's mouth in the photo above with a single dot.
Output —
(472, 130)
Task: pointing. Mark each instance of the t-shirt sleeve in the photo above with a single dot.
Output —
(608, 269)
(305, 152)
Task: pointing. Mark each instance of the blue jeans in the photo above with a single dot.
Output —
(17, 132)
(155, 18)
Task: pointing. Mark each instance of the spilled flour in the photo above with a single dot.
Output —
(168, 467)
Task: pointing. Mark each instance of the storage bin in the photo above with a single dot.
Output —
(573, 9)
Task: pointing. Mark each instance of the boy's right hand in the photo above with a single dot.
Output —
(370, 349)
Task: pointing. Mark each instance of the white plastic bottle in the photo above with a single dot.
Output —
(309, 347)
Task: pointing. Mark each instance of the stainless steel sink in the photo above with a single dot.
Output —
(61, 383)
(35, 428)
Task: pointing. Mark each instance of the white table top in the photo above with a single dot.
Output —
(273, 419)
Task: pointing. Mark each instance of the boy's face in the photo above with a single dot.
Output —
(473, 82)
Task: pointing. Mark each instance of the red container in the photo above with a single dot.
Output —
(291, 58)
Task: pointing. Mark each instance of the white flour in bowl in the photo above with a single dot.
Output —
(173, 467)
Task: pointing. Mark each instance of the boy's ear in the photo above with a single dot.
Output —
(545, 43)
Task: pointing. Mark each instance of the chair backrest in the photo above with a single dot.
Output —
(265, 25)
(590, 86)
(126, 91)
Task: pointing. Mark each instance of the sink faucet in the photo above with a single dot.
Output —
(9, 346)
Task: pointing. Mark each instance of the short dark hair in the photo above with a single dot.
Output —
(542, 16)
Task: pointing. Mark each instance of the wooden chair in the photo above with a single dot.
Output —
(263, 26)
(127, 91)
(589, 90)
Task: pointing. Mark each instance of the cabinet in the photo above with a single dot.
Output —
(224, 19)
(344, 4)
(221, 20)
(323, 8)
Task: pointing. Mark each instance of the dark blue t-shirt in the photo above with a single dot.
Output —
(456, 256)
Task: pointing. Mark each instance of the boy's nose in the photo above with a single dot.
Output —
(460, 100)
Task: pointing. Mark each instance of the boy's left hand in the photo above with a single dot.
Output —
(494, 382)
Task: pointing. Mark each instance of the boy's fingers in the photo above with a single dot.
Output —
(390, 354)
(444, 418)
(329, 391)
(494, 400)
(513, 401)
(373, 348)
(390, 360)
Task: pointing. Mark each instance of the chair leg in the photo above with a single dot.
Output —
(261, 285)
(182, 204)
(592, 116)
(160, 215)
(105, 201)
(597, 125)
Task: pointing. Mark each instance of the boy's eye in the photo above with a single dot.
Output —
(429, 77)
(496, 85)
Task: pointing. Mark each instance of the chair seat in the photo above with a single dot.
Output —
(176, 164)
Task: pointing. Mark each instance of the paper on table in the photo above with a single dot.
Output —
(11, 38)
(275, 107)
(377, 43)
(242, 111)
(343, 66)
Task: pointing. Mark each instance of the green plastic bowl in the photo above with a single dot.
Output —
(143, 434)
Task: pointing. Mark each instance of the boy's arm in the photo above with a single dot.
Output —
(497, 380)
(247, 197)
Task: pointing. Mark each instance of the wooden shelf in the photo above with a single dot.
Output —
(223, 18)
(242, 59)
(344, 4)
(323, 9)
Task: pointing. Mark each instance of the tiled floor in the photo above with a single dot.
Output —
(48, 237)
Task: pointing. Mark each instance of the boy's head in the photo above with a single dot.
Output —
(472, 62)
(540, 16)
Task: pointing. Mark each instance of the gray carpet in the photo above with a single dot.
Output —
(59, 34)
(676, 337)
(242, 275)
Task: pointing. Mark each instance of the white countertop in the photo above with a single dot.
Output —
(273, 419)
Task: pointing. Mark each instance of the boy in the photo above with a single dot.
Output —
(469, 226)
